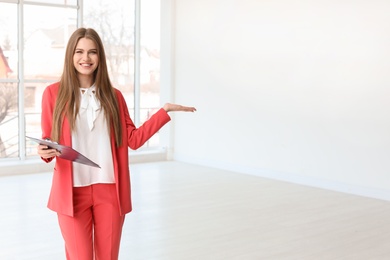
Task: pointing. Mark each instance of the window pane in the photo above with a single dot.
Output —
(8, 41)
(9, 123)
(150, 61)
(45, 40)
(114, 21)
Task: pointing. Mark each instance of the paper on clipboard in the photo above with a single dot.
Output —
(67, 152)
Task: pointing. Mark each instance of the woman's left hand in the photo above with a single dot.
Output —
(174, 107)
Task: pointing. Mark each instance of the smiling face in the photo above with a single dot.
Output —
(85, 59)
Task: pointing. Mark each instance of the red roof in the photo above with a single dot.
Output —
(3, 60)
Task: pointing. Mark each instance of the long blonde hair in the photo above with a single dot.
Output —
(69, 92)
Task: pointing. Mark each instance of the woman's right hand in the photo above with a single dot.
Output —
(45, 152)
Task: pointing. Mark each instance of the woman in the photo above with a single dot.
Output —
(84, 111)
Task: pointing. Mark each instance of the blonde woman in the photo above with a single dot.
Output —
(83, 110)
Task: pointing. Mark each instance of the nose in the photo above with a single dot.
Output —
(85, 56)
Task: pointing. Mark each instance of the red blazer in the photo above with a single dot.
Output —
(61, 194)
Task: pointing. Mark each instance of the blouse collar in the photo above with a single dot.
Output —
(90, 104)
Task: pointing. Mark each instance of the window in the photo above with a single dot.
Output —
(32, 50)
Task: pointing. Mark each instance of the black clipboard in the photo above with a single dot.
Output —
(67, 152)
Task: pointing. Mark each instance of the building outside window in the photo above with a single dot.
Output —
(33, 39)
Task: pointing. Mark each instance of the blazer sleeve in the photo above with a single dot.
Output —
(136, 137)
(48, 101)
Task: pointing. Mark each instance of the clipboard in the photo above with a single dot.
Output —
(67, 152)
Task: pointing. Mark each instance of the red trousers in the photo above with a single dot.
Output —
(95, 230)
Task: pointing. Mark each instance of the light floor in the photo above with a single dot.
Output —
(188, 212)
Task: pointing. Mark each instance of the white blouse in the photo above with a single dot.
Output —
(91, 137)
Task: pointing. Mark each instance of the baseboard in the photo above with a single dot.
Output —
(291, 178)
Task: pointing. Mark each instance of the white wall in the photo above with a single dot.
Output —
(292, 90)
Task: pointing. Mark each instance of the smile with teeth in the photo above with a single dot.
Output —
(86, 65)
